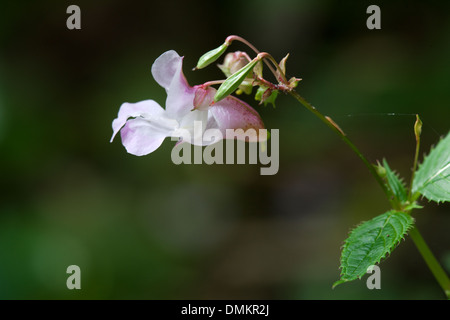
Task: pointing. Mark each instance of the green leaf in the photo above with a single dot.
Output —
(370, 242)
(233, 81)
(211, 56)
(395, 184)
(432, 179)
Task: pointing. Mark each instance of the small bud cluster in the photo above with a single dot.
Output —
(243, 73)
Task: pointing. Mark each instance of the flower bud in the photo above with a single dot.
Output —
(293, 82)
(418, 127)
(283, 65)
(233, 62)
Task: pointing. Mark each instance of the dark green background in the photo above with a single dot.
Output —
(144, 228)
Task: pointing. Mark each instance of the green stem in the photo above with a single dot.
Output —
(283, 78)
(431, 261)
(416, 158)
(237, 38)
(341, 134)
(426, 253)
(420, 243)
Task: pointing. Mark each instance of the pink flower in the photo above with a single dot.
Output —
(144, 125)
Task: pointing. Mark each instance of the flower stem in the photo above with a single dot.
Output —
(431, 261)
(331, 124)
(230, 39)
(266, 55)
(213, 82)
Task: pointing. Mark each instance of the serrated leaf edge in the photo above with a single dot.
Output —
(341, 280)
(425, 157)
(395, 178)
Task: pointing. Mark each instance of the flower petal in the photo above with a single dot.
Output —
(232, 113)
(203, 97)
(140, 138)
(195, 122)
(168, 72)
(180, 96)
(146, 109)
(165, 67)
(192, 126)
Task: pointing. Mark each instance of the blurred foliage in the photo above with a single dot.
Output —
(144, 228)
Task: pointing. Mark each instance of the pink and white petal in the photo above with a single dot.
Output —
(165, 67)
(140, 138)
(232, 113)
(168, 72)
(203, 97)
(146, 109)
(180, 96)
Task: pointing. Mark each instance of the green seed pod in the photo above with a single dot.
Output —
(211, 56)
(234, 81)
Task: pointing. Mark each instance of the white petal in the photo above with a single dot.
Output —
(168, 72)
(180, 96)
(145, 109)
(192, 126)
(165, 67)
(140, 137)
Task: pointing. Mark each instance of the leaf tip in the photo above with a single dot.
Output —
(337, 283)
